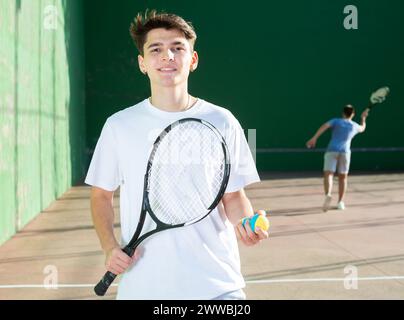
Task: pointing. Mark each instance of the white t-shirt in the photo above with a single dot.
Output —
(200, 261)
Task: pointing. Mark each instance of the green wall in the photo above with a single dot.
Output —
(42, 118)
(282, 67)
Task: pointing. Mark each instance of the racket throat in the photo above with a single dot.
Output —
(129, 251)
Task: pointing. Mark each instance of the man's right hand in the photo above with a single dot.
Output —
(118, 262)
(311, 143)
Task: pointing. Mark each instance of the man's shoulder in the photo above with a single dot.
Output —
(345, 124)
(127, 113)
(218, 111)
(342, 122)
(354, 124)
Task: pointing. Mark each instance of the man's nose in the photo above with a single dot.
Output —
(168, 55)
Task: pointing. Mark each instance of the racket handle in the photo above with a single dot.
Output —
(101, 288)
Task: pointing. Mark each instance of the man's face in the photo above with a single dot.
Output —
(168, 57)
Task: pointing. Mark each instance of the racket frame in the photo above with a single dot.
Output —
(372, 104)
(160, 226)
(136, 239)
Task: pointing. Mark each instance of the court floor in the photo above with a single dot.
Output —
(353, 254)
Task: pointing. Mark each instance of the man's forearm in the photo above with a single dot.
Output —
(103, 218)
(363, 125)
(237, 206)
(320, 131)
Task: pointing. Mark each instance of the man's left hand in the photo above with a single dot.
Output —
(247, 235)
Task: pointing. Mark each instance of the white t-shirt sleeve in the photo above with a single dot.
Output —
(104, 167)
(243, 170)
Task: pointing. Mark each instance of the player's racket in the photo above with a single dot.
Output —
(378, 96)
(186, 176)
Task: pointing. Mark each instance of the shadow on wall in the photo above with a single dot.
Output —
(75, 53)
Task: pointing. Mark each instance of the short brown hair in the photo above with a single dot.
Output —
(348, 110)
(153, 20)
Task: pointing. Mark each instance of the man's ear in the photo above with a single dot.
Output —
(194, 61)
(140, 60)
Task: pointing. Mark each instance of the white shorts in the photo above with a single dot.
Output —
(337, 162)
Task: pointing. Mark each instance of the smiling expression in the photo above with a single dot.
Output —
(168, 57)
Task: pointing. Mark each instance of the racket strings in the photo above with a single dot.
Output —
(187, 173)
(380, 95)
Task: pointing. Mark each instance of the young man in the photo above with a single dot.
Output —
(338, 155)
(194, 262)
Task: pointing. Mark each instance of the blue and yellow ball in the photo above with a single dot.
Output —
(257, 221)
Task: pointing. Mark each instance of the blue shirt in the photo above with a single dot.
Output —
(343, 130)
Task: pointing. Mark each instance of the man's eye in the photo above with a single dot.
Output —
(155, 50)
(179, 48)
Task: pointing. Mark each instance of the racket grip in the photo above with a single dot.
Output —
(101, 288)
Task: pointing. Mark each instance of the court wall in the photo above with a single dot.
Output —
(42, 110)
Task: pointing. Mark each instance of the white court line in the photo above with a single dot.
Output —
(29, 286)
(34, 286)
(326, 279)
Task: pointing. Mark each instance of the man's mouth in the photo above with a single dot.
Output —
(167, 70)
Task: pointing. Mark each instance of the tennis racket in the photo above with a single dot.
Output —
(186, 177)
(378, 96)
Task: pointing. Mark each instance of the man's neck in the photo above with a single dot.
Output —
(172, 100)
